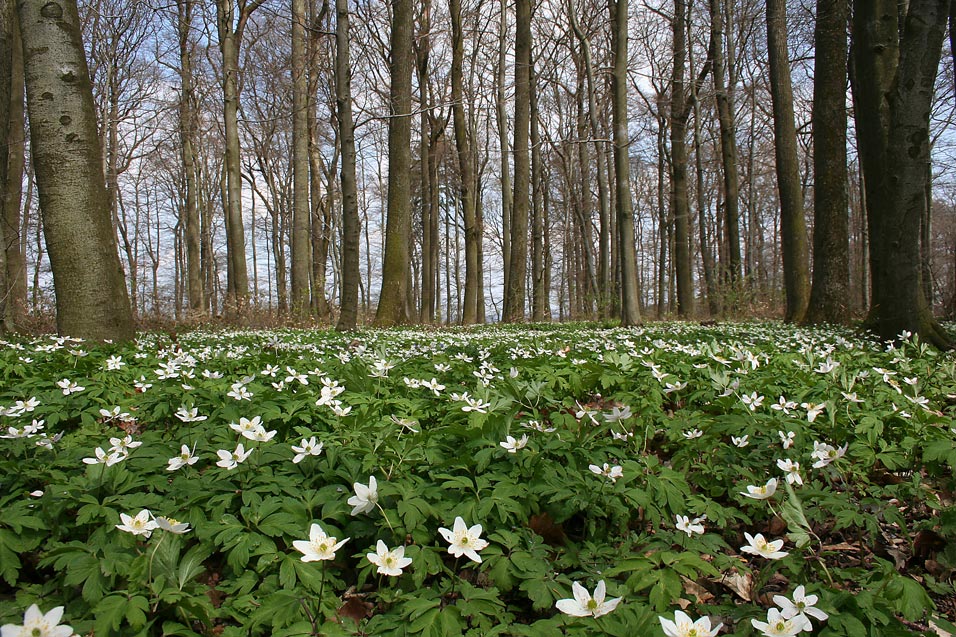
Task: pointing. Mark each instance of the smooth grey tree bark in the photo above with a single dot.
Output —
(231, 21)
(793, 225)
(515, 292)
(91, 297)
(630, 294)
(301, 213)
(351, 228)
(392, 300)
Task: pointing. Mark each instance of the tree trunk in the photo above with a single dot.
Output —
(351, 226)
(188, 129)
(91, 296)
(706, 250)
(587, 282)
(396, 266)
(466, 166)
(893, 80)
(604, 198)
(630, 295)
(301, 213)
(321, 177)
(683, 264)
(540, 295)
(514, 306)
(230, 28)
(501, 116)
(12, 164)
(793, 225)
(830, 291)
(728, 146)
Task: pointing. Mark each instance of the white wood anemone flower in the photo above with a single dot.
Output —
(684, 626)
(319, 546)
(464, 540)
(38, 624)
(583, 604)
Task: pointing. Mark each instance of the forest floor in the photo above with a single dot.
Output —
(534, 480)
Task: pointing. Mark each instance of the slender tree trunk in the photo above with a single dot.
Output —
(12, 164)
(587, 285)
(893, 82)
(663, 228)
(630, 295)
(793, 225)
(514, 306)
(830, 290)
(706, 250)
(396, 264)
(91, 296)
(321, 178)
(301, 213)
(683, 264)
(188, 129)
(728, 145)
(501, 116)
(231, 27)
(539, 292)
(466, 166)
(604, 199)
(351, 226)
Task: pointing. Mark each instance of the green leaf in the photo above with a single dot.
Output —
(191, 564)
(910, 598)
(110, 612)
(791, 510)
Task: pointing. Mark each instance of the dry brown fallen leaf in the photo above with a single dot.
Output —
(740, 583)
(693, 588)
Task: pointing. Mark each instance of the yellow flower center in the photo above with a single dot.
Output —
(592, 605)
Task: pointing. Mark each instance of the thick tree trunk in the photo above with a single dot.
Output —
(630, 295)
(351, 226)
(396, 265)
(91, 294)
(830, 290)
(793, 225)
(514, 307)
(893, 81)
(301, 214)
